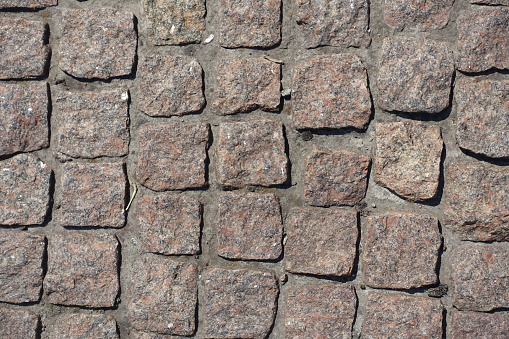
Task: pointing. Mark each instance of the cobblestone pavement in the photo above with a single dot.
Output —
(254, 169)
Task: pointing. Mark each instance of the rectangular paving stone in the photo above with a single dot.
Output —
(401, 250)
(321, 241)
(474, 325)
(24, 51)
(330, 91)
(417, 15)
(239, 303)
(24, 116)
(163, 295)
(249, 226)
(17, 323)
(172, 156)
(93, 194)
(32, 4)
(80, 326)
(82, 270)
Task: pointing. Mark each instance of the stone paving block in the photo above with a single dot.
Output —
(133, 334)
(239, 303)
(483, 113)
(82, 118)
(418, 15)
(249, 23)
(414, 75)
(400, 250)
(251, 153)
(82, 270)
(476, 201)
(321, 241)
(249, 226)
(490, 2)
(18, 324)
(24, 49)
(473, 325)
(170, 85)
(169, 224)
(32, 4)
(243, 85)
(24, 190)
(175, 22)
(81, 326)
(93, 194)
(333, 23)
(335, 177)
(483, 39)
(97, 43)
(480, 275)
(21, 270)
(407, 159)
(402, 316)
(24, 116)
(172, 156)
(330, 91)
(163, 295)
(321, 311)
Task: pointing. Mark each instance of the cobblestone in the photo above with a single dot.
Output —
(78, 326)
(18, 324)
(32, 4)
(473, 325)
(421, 16)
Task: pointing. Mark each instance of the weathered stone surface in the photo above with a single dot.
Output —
(93, 194)
(175, 22)
(330, 91)
(80, 326)
(401, 316)
(414, 75)
(490, 2)
(24, 116)
(82, 270)
(480, 275)
(483, 39)
(476, 201)
(322, 311)
(163, 295)
(170, 85)
(93, 124)
(249, 226)
(133, 334)
(473, 325)
(400, 250)
(169, 224)
(483, 116)
(407, 159)
(18, 324)
(243, 85)
(251, 153)
(24, 190)
(249, 23)
(32, 4)
(239, 303)
(333, 23)
(172, 156)
(97, 43)
(335, 177)
(321, 241)
(418, 15)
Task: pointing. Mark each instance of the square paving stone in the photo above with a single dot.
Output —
(169, 224)
(483, 39)
(21, 270)
(18, 324)
(335, 177)
(249, 23)
(418, 15)
(24, 190)
(82, 270)
(239, 303)
(249, 226)
(330, 91)
(400, 250)
(172, 156)
(175, 22)
(170, 85)
(402, 316)
(82, 118)
(251, 153)
(473, 325)
(407, 159)
(32, 4)
(24, 116)
(321, 311)
(97, 43)
(81, 326)
(93, 194)
(321, 241)
(243, 85)
(163, 295)
(414, 75)
(480, 275)
(333, 23)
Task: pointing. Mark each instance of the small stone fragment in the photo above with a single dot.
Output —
(18, 324)
(474, 325)
(32, 4)
(418, 15)
(80, 326)
(438, 292)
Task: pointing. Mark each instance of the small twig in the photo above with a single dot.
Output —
(133, 184)
(277, 61)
